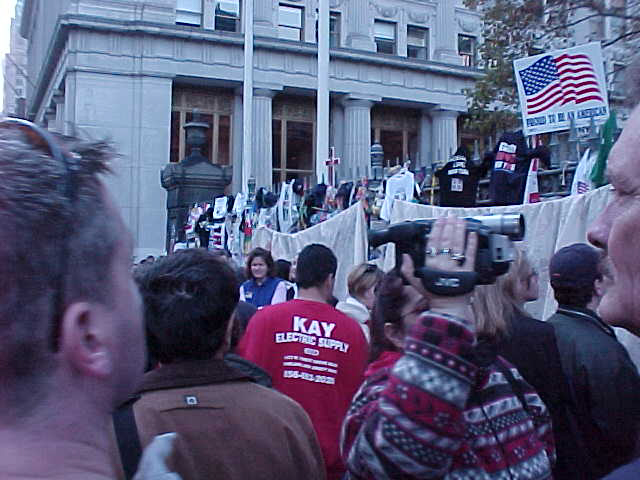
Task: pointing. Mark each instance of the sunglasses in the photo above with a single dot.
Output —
(42, 140)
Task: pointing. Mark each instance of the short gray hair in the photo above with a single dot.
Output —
(46, 236)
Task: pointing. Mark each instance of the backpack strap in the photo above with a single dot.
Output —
(515, 385)
(129, 446)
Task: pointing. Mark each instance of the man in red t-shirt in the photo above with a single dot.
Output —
(314, 353)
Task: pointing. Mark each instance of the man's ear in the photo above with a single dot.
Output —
(329, 283)
(84, 339)
(394, 334)
(598, 288)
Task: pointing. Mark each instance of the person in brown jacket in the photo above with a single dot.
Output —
(228, 426)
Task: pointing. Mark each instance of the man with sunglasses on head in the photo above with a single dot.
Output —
(72, 343)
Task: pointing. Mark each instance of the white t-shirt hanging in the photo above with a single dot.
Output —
(220, 208)
(399, 186)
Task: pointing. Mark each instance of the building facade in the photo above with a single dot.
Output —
(135, 71)
(15, 68)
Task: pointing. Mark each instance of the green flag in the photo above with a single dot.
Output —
(609, 128)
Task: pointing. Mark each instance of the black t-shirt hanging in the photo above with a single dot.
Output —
(458, 181)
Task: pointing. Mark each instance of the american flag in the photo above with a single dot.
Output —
(557, 80)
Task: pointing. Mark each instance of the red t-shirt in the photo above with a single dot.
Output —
(315, 355)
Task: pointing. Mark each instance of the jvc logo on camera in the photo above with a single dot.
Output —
(447, 282)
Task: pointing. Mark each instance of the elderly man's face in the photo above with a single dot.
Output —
(617, 229)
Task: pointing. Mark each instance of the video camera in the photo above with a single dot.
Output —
(496, 234)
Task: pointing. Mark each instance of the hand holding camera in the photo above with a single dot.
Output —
(450, 254)
(423, 242)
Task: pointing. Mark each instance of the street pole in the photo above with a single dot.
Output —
(322, 104)
(247, 96)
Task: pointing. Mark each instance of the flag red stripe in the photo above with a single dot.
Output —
(545, 91)
(569, 72)
(566, 56)
(586, 99)
(544, 100)
(552, 101)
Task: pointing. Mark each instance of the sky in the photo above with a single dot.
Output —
(7, 9)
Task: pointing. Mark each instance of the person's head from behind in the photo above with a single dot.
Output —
(69, 326)
(260, 264)
(575, 273)
(316, 269)
(189, 299)
(362, 283)
(283, 269)
(495, 305)
(397, 307)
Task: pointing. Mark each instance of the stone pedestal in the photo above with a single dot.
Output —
(262, 165)
(357, 141)
(191, 181)
(445, 134)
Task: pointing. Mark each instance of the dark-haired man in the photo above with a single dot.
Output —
(314, 353)
(604, 382)
(228, 426)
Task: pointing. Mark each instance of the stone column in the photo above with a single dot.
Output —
(425, 139)
(357, 143)
(446, 48)
(445, 134)
(264, 19)
(58, 99)
(262, 137)
(50, 118)
(236, 141)
(337, 140)
(358, 23)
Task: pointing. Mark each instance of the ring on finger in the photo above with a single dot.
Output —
(458, 257)
(444, 251)
(431, 252)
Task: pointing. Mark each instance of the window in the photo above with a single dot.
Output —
(334, 30)
(293, 131)
(385, 37)
(417, 42)
(290, 23)
(467, 50)
(215, 108)
(396, 129)
(227, 15)
(189, 12)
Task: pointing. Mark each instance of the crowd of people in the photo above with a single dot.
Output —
(189, 369)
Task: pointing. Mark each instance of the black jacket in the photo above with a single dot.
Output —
(605, 387)
(531, 347)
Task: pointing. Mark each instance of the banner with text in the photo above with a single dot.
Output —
(562, 85)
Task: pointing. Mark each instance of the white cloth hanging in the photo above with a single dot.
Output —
(400, 186)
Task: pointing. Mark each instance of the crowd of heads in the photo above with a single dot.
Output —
(72, 327)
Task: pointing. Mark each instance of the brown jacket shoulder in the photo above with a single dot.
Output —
(228, 427)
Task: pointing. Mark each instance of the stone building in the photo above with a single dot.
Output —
(135, 70)
(14, 67)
